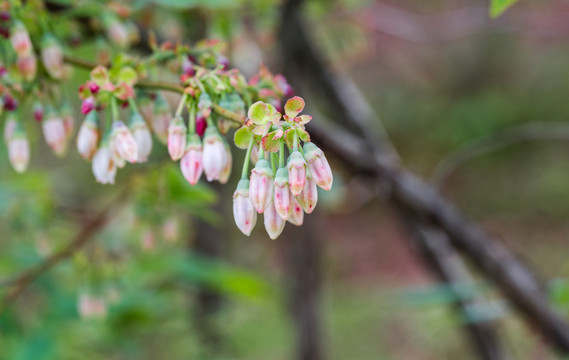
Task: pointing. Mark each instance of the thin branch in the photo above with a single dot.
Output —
(22, 281)
(515, 135)
(412, 195)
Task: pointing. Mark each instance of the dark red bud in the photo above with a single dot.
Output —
(94, 88)
(5, 32)
(152, 96)
(4, 15)
(201, 124)
(3, 71)
(10, 103)
(124, 104)
(38, 114)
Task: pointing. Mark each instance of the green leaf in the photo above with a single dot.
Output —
(243, 137)
(293, 107)
(100, 75)
(271, 141)
(303, 135)
(128, 76)
(289, 137)
(497, 7)
(258, 113)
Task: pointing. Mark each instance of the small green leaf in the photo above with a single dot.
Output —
(293, 107)
(100, 75)
(289, 137)
(497, 7)
(242, 137)
(303, 119)
(271, 141)
(124, 91)
(128, 76)
(258, 113)
(303, 135)
(273, 115)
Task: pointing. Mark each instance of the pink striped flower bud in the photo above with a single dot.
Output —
(274, 224)
(226, 172)
(117, 31)
(297, 215)
(318, 166)
(54, 133)
(123, 142)
(282, 197)
(19, 149)
(214, 154)
(52, 56)
(146, 108)
(91, 306)
(296, 172)
(255, 154)
(161, 119)
(243, 211)
(9, 126)
(261, 188)
(103, 166)
(142, 137)
(68, 119)
(27, 66)
(87, 105)
(20, 39)
(192, 163)
(309, 195)
(177, 138)
(88, 136)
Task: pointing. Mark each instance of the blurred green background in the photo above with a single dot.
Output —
(442, 75)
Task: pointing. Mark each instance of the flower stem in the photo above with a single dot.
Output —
(247, 160)
(295, 141)
(114, 109)
(181, 105)
(281, 154)
(133, 105)
(274, 162)
(192, 120)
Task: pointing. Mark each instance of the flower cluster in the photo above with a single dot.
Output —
(213, 99)
(281, 193)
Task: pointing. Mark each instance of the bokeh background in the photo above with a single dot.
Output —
(475, 104)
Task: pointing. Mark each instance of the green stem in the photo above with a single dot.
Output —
(261, 152)
(108, 120)
(281, 154)
(245, 169)
(192, 120)
(295, 141)
(181, 105)
(114, 109)
(274, 162)
(133, 105)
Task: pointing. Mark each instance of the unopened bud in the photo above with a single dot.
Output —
(297, 215)
(318, 165)
(88, 136)
(52, 56)
(261, 188)
(282, 197)
(296, 172)
(177, 134)
(214, 154)
(19, 149)
(192, 163)
(123, 142)
(309, 195)
(243, 211)
(274, 224)
(142, 136)
(54, 133)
